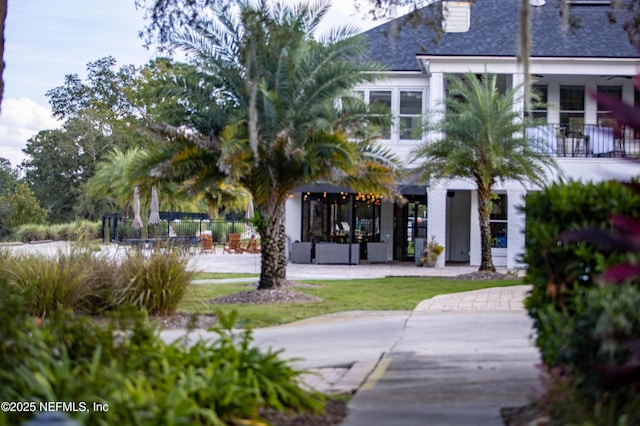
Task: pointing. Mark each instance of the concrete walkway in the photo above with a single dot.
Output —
(459, 359)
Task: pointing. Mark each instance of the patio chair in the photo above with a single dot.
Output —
(252, 246)
(206, 244)
(233, 245)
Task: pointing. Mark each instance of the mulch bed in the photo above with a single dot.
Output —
(528, 415)
(259, 297)
(335, 413)
(184, 320)
(484, 275)
(282, 294)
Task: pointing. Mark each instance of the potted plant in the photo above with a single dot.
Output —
(431, 252)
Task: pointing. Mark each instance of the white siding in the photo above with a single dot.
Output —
(515, 228)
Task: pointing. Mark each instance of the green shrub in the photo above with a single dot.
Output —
(48, 284)
(554, 269)
(272, 381)
(186, 229)
(94, 229)
(15, 328)
(585, 330)
(126, 230)
(59, 232)
(566, 404)
(156, 282)
(124, 363)
(28, 233)
(89, 283)
(101, 279)
(221, 229)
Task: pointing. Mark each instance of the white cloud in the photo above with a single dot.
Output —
(20, 120)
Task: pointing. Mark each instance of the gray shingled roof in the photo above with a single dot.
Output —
(494, 32)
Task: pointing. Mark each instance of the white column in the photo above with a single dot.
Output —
(293, 218)
(437, 217)
(553, 99)
(590, 104)
(436, 97)
(475, 251)
(518, 82)
(628, 95)
(386, 226)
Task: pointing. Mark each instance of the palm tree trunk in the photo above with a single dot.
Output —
(484, 212)
(273, 273)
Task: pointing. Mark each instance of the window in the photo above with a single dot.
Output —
(410, 115)
(382, 98)
(572, 108)
(325, 217)
(406, 108)
(498, 221)
(604, 116)
(539, 111)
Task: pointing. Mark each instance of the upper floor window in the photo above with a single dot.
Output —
(572, 107)
(410, 114)
(406, 108)
(539, 110)
(604, 115)
(383, 99)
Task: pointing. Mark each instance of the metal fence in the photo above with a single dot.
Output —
(584, 140)
(174, 224)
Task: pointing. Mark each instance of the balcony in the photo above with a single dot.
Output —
(585, 140)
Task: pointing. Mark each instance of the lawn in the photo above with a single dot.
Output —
(222, 275)
(392, 293)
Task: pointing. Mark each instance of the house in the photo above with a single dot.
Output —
(479, 36)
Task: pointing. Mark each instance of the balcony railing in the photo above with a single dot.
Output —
(585, 140)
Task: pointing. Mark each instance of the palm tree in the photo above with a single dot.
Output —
(483, 138)
(281, 112)
(112, 180)
(119, 172)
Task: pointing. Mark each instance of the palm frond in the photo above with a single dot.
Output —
(482, 137)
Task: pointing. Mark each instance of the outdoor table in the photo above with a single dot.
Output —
(160, 244)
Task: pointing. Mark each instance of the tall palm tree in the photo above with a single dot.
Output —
(282, 113)
(483, 138)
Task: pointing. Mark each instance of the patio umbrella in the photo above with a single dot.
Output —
(249, 213)
(137, 220)
(154, 212)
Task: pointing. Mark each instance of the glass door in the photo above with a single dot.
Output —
(410, 223)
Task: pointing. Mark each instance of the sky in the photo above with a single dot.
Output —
(48, 39)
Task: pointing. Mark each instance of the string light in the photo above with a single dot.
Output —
(370, 198)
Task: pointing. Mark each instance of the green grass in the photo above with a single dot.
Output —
(393, 293)
(221, 275)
